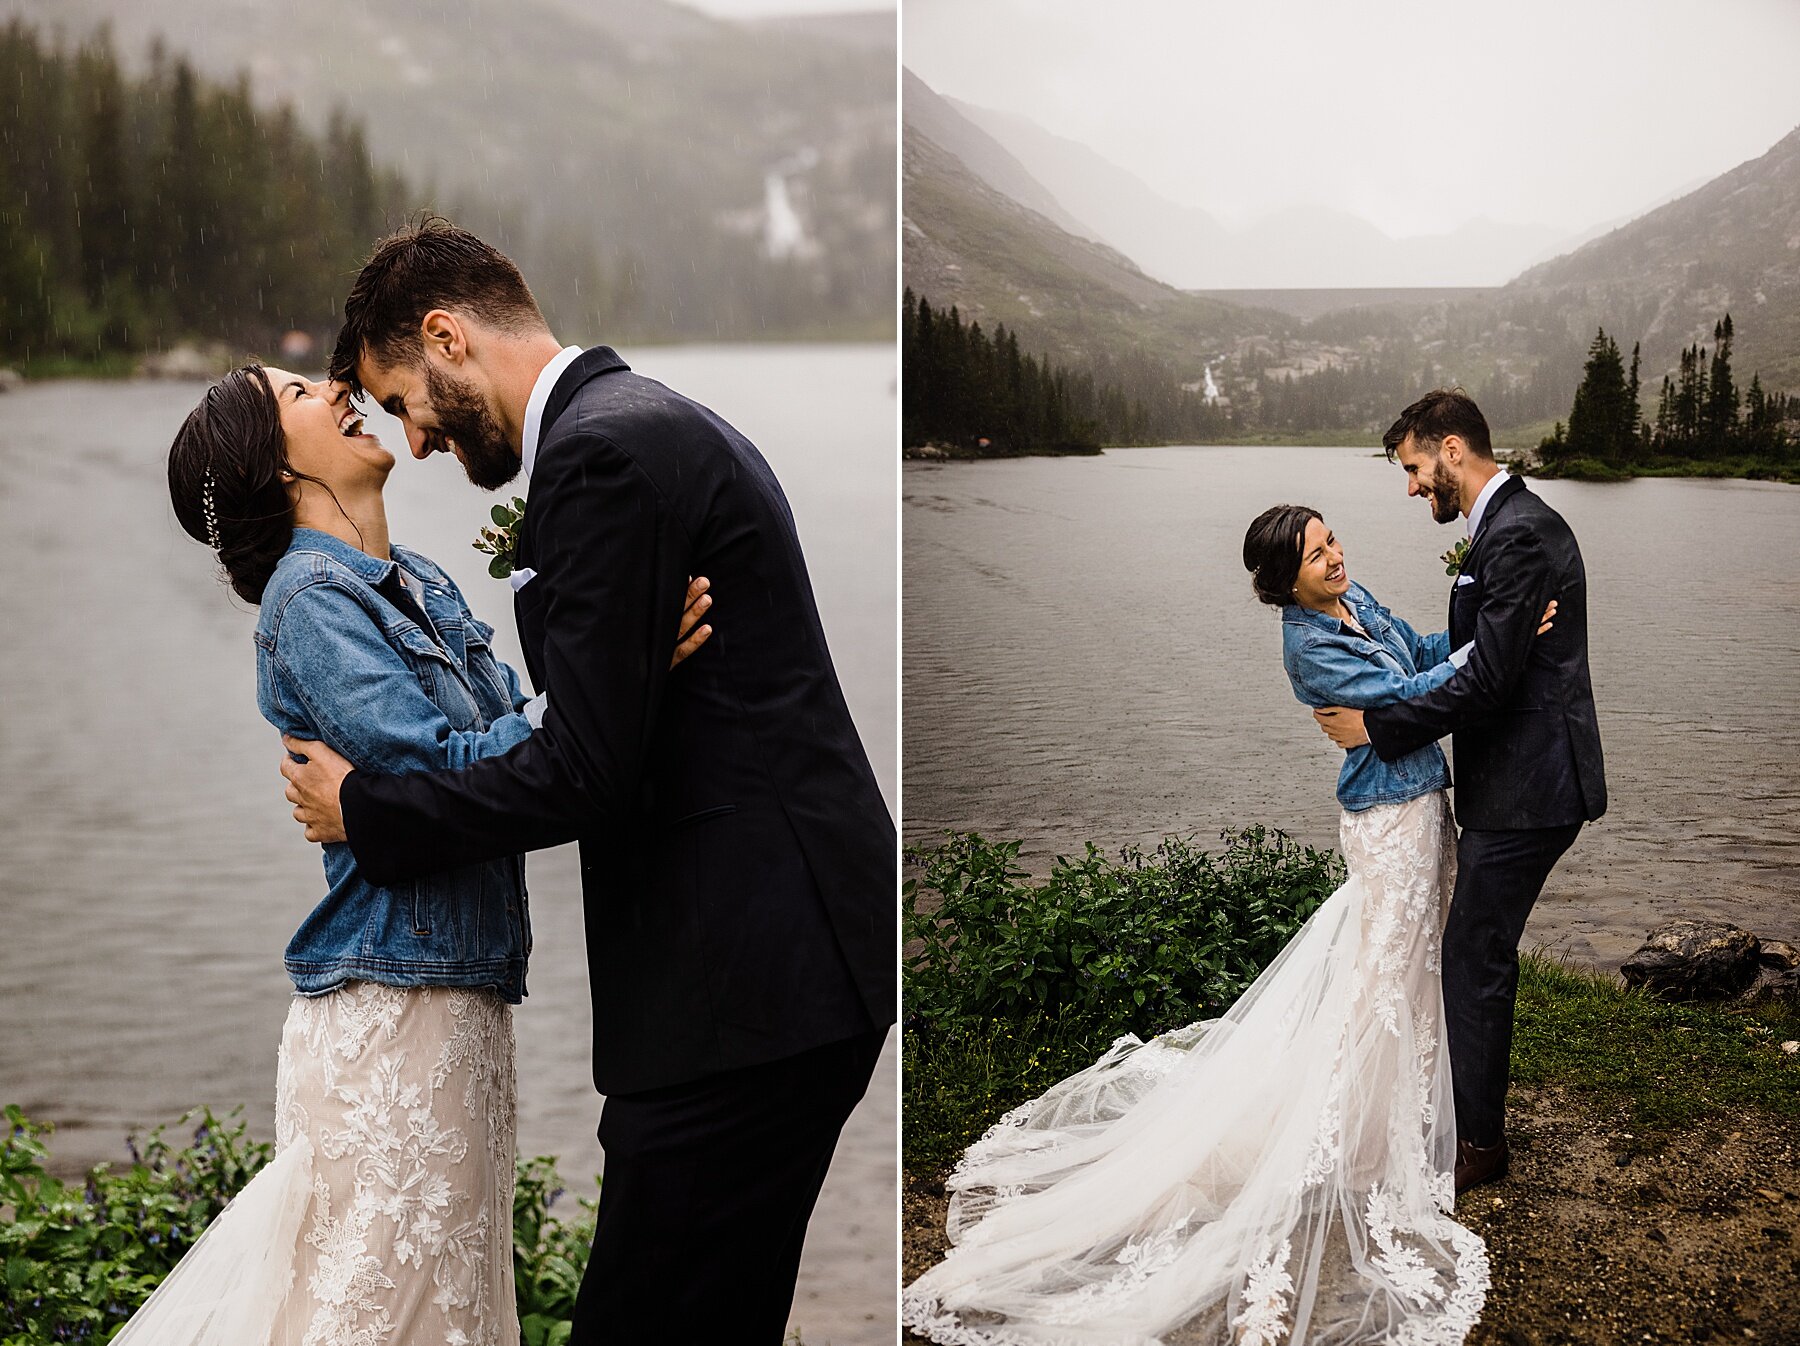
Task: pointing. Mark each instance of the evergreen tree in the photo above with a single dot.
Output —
(136, 212)
(1719, 427)
(1603, 421)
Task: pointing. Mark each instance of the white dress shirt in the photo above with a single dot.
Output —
(1461, 656)
(528, 447)
(540, 397)
(1479, 508)
(534, 429)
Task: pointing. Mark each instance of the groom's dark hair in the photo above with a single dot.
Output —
(1442, 411)
(428, 264)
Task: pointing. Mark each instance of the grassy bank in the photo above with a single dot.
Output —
(1653, 1196)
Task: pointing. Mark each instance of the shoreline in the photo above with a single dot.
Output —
(1511, 457)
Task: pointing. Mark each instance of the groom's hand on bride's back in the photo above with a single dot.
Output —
(313, 784)
(690, 635)
(1342, 725)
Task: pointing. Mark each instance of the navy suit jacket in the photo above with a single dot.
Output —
(1521, 711)
(739, 866)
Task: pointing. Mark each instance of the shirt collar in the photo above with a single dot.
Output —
(540, 397)
(1482, 501)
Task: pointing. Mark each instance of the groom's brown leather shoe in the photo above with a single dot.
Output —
(1476, 1164)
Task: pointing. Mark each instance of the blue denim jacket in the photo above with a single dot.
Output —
(1331, 665)
(339, 663)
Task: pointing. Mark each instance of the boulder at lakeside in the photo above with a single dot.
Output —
(1703, 960)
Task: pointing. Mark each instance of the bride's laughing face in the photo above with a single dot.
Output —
(324, 434)
(1322, 580)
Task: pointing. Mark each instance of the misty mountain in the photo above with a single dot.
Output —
(1666, 278)
(656, 172)
(942, 122)
(969, 245)
(1301, 358)
(1302, 247)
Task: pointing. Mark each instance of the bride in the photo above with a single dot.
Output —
(386, 1214)
(1283, 1173)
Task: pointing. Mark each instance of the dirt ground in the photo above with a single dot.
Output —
(1601, 1237)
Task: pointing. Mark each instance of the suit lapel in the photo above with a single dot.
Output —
(528, 608)
(1502, 495)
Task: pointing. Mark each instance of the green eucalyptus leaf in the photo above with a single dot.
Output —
(500, 567)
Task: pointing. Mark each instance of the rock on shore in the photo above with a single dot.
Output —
(1713, 960)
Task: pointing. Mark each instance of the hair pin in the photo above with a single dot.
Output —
(209, 512)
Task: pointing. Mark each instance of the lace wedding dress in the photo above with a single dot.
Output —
(1278, 1175)
(385, 1218)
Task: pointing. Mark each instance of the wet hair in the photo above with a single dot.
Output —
(428, 264)
(1442, 411)
(1272, 551)
(225, 481)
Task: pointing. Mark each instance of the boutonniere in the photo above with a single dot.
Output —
(501, 541)
(1454, 558)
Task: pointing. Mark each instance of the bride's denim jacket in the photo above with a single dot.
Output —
(1330, 664)
(339, 663)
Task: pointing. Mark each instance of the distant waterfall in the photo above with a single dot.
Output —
(784, 232)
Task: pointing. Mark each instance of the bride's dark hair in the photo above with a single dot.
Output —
(225, 478)
(1272, 551)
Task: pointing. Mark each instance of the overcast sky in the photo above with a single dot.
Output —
(761, 9)
(1416, 115)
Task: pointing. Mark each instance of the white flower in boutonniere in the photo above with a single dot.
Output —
(502, 540)
(1454, 558)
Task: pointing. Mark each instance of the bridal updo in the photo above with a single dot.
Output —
(235, 436)
(1272, 551)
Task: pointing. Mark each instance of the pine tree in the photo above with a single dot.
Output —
(1719, 428)
(1602, 423)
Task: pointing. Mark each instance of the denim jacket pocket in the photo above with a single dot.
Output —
(484, 667)
(439, 677)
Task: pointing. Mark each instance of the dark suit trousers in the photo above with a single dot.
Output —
(1499, 875)
(706, 1194)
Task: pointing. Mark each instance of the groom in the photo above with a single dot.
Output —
(1526, 740)
(737, 860)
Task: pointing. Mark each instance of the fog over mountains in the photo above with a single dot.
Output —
(656, 172)
(1300, 247)
(1014, 226)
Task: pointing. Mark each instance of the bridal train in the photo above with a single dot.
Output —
(1282, 1174)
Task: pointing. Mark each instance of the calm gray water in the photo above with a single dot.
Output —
(1083, 660)
(152, 875)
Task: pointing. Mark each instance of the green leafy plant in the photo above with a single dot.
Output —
(77, 1259)
(501, 541)
(1147, 942)
(549, 1255)
(1011, 984)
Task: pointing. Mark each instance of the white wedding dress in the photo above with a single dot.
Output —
(1278, 1175)
(385, 1218)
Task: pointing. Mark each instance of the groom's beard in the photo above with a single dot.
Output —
(463, 415)
(1446, 500)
